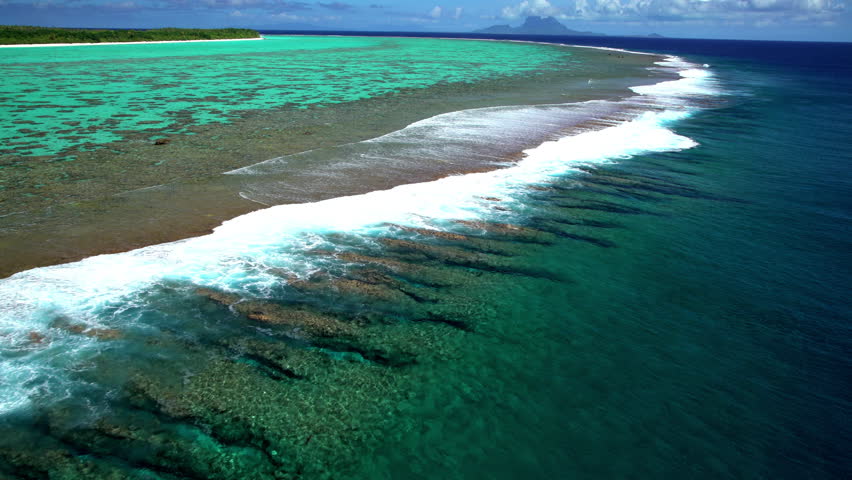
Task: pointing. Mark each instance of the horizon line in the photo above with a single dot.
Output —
(651, 36)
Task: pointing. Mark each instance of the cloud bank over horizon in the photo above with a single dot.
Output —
(677, 10)
(780, 19)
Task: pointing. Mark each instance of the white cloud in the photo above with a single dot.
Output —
(458, 13)
(532, 7)
(286, 16)
(122, 5)
(436, 12)
(673, 10)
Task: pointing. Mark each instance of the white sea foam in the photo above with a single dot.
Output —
(694, 81)
(239, 254)
(450, 137)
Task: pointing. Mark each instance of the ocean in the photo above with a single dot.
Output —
(653, 285)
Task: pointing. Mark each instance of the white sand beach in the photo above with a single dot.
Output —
(122, 43)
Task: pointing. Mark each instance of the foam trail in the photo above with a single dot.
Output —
(694, 81)
(240, 255)
(450, 143)
(456, 197)
(481, 131)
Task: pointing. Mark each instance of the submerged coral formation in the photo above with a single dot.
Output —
(216, 384)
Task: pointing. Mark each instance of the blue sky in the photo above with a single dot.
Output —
(748, 19)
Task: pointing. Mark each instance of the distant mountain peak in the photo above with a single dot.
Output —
(543, 23)
(536, 25)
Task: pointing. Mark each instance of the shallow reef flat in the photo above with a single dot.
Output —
(146, 131)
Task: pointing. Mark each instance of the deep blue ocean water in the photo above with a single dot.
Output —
(680, 310)
(750, 295)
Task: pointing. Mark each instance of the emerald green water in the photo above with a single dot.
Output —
(53, 99)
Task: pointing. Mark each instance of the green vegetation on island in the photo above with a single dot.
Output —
(21, 35)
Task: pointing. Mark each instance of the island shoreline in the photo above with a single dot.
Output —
(31, 45)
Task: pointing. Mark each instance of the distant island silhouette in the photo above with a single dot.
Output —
(536, 25)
